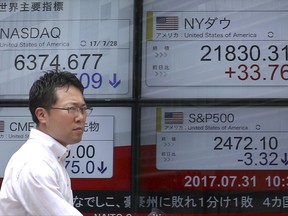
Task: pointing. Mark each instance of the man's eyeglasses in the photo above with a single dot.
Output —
(73, 110)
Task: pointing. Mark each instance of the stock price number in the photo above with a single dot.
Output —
(243, 53)
(253, 72)
(245, 143)
(260, 159)
(84, 61)
(262, 151)
(41, 61)
(80, 161)
(251, 53)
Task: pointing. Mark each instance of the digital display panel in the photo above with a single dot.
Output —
(214, 49)
(91, 39)
(99, 166)
(216, 159)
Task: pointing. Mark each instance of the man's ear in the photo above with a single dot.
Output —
(41, 114)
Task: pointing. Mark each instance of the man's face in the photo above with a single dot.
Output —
(67, 128)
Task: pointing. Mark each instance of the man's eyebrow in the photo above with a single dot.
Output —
(76, 104)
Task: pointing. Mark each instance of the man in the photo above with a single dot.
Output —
(35, 180)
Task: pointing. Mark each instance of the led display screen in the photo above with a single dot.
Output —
(216, 159)
(92, 39)
(99, 166)
(214, 49)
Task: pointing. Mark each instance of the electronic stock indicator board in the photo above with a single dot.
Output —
(99, 166)
(215, 49)
(91, 39)
(217, 159)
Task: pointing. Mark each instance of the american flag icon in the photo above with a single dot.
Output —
(173, 118)
(167, 23)
(1, 126)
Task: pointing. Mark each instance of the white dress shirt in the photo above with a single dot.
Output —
(36, 181)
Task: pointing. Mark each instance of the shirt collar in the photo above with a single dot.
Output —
(59, 151)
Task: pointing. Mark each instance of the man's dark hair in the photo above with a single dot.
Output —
(43, 91)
